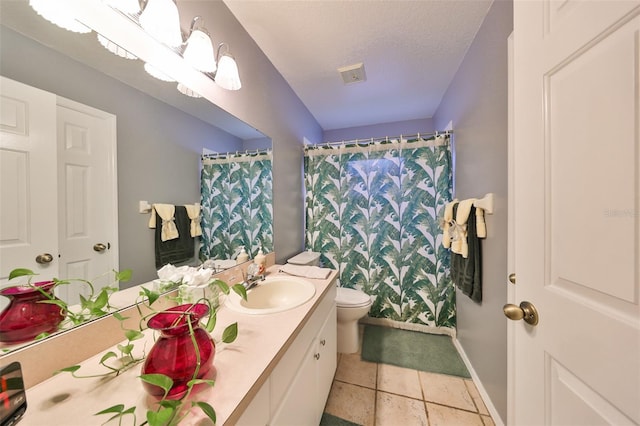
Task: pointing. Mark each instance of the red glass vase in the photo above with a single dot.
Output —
(174, 354)
(26, 316)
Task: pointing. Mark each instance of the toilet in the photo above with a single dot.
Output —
(351, 306)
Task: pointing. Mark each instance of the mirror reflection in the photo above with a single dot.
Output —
(159, 137)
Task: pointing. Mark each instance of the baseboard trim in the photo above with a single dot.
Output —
(483, 393)
(409, 326)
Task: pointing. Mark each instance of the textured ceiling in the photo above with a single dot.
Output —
(410, 49)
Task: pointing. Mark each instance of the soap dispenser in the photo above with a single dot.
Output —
(242, 256)
(260, 260)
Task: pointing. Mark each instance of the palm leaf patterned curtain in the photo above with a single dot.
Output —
(237, 205)
(373, 213)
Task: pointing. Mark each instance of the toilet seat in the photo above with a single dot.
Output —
(350, 298)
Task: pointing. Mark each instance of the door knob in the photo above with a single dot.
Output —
(512, 278)
(99, 247)
(44, 258)
(525, 311)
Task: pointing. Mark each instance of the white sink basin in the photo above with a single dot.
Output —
(274, 294)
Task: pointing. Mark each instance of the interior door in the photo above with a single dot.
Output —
(87, 197)
(28, 191)
(577, 213)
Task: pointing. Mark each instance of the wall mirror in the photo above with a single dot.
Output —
(19, 21)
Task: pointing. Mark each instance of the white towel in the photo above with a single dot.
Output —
(167, 214)
(305, 271)
(193, 211)
(481, 226)
(447, 221)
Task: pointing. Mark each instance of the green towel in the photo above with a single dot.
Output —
(467, 273)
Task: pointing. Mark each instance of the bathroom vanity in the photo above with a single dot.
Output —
(278, 371)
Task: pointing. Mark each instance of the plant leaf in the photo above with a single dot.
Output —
(160, 417)
(71, 369)
(132, 335)
(151, 296)
(211, 322)
(126, 349)
(114, 409)
(119, 317)
(222, 286)
(230, 333)
(20, 272)
(160, 380)
(102, 300)
(207, 409)
(124, 275)
(107, 356)
(242, 292)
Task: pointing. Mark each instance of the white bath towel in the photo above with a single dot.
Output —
(306, 271)
(193, 211)
(166, 213)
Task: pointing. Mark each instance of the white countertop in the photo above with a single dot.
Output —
(242, 367)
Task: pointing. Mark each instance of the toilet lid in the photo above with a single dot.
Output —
(348, 297)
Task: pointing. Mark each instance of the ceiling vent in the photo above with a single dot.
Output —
(353, 73)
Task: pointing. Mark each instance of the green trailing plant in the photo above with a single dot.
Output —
(168, 412)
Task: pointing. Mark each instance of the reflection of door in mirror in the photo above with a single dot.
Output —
(65, 220)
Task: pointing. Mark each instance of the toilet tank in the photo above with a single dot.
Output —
(310, 258)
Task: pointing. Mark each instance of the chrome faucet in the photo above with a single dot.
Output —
(252, 277)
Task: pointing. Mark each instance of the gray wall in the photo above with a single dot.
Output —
(476, 102)
(393, 129)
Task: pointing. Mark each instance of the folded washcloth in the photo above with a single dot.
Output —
(306, 271)
(167, 214)
(193, 211)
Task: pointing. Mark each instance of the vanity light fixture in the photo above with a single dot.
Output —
(186, 91)
(199, 49)
(161, 20)
(154, 71)
(131, 7)
(227, 75)
(59, 15)
(114, 48)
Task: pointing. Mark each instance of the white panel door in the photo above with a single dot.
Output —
(28, 174)
(577, 213)
(87, 196)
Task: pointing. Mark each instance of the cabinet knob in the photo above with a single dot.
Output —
(316, 356)
(323, 342)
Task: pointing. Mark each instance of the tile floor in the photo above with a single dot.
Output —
(371, 394)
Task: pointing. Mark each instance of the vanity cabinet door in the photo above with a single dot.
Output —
(299, 406)
(327, 359)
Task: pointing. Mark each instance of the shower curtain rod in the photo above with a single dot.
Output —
(214, 155)
(381, 139)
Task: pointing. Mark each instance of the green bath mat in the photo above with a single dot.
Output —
(434, 353)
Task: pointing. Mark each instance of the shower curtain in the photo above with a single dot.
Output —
(373, 213)
(237, 210)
